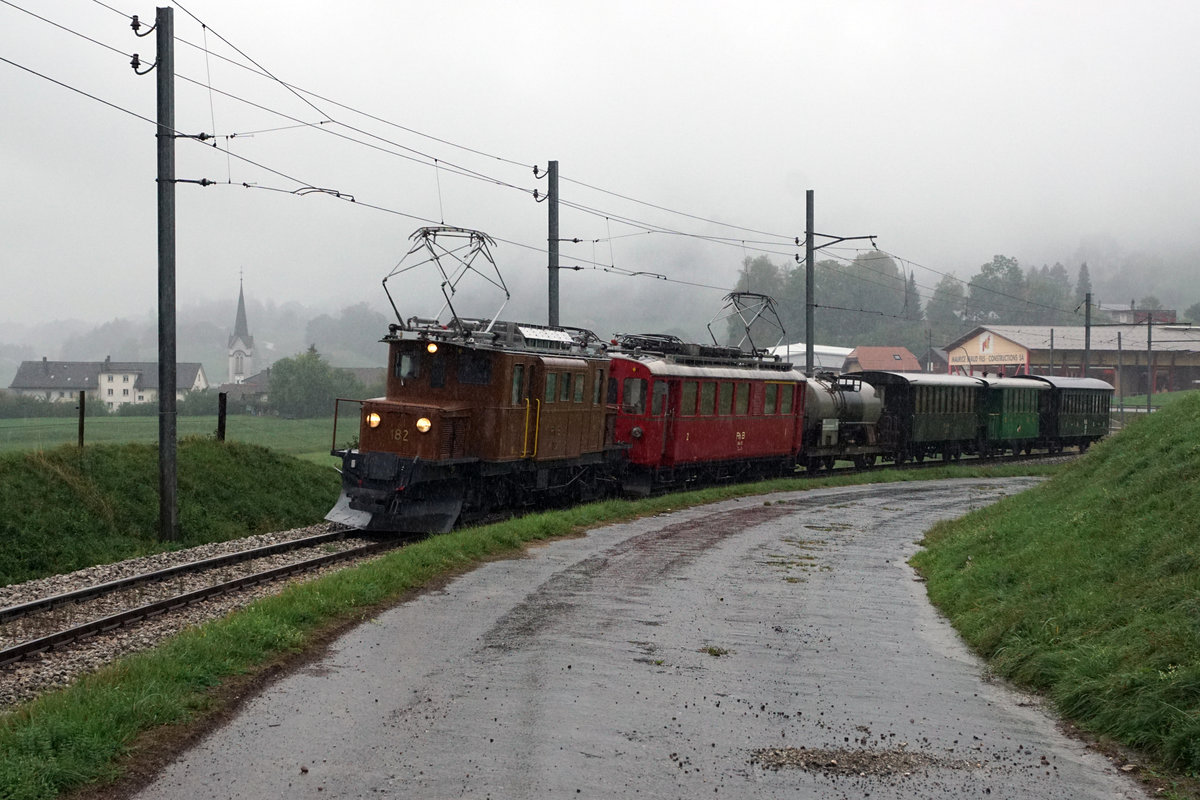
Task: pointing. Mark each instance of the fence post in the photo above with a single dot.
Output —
(221, 402)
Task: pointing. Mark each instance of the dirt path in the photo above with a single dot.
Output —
(772, 647)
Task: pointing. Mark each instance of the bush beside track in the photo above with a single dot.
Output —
(1087, 588)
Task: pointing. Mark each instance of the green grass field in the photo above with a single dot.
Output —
(309, 439)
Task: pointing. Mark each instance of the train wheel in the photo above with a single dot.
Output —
(829, 462)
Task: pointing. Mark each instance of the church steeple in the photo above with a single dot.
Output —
(241, 343)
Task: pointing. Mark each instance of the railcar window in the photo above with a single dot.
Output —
(741, 403)
(407, 366)
(786, 395)
(518, 384)
(634, 400)
(708, 398)
(599, 387)
(725, 399)
(564, 387)
(579, 388)
(687, 402)
(474, 368)
(612, 391)
(769, 398)
(658, 403)
(551, 386)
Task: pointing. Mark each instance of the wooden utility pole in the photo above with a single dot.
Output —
(552, 238)
(168, 511)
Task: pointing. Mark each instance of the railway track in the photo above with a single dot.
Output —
(40, 632)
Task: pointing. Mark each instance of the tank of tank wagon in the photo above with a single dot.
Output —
(841, 415)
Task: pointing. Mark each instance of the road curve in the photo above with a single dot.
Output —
(769, 647)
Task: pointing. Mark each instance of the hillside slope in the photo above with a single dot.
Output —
(61, 510)
(1088, 587)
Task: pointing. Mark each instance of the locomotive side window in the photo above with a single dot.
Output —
(786, 394)
(579, 388)
(598, 388)
(708, 398)
(518, 383)
(725, 399)
(658, 402)
(612, 391)
(474, 368)
(565, 388)
(687, 403)
(742, 399)
(551, 386)
(634, 400)
(769, 398)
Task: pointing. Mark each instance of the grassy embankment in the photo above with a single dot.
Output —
(1087, 588)
(61, 510)
(309, 439)
(79, 736)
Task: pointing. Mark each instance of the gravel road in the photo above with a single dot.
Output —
(769, 647)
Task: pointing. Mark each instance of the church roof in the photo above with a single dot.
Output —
(241, 330)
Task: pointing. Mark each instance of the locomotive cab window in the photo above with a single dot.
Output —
(551, 386)
(579, 388)
(769, 398)
(565, 387)
(634, 399)
(598, 387)
(407, 366)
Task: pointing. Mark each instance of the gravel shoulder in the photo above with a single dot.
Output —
(770, 647)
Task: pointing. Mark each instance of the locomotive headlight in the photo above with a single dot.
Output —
(373, 420)
(423, 425)
(431, 347)
(636, 433)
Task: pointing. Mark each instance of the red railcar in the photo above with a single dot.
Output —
(686, 417)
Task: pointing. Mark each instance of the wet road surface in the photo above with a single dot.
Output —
(773, 647)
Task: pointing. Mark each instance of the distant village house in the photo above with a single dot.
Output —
(114, 383)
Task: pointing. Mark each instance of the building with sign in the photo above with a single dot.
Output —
(1119, 354)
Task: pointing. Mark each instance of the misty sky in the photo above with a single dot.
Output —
(952, 131)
